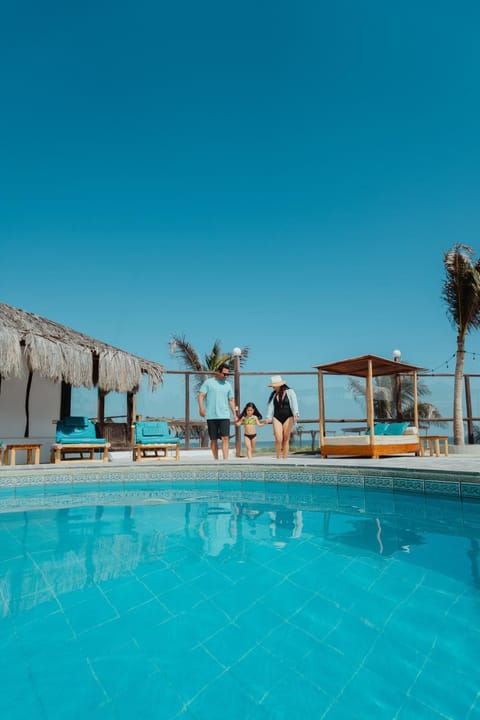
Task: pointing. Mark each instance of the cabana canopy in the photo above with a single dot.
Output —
(368, 367)
(359, 367)
(57, 352)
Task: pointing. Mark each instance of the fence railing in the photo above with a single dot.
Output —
(189, 426)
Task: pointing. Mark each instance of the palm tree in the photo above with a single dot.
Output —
(461, 293)
(190, 359)
(384, 398)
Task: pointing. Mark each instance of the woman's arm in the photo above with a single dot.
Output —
(292, 398)
(269, 417)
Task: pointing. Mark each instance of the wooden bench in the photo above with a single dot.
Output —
(59, 451)
(32, 450)
(155, 450)
(434, 444)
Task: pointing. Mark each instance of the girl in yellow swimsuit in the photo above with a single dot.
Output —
(250, 418)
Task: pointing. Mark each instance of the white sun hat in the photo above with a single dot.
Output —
(276, 381)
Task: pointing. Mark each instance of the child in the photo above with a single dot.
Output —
(250, 418)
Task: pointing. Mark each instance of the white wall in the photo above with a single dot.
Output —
(44, 407)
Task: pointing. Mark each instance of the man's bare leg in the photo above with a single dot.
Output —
(225, 447)
(214, 446)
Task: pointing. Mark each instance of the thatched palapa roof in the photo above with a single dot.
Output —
(59, 353)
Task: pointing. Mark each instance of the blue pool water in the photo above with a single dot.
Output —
(327, 602)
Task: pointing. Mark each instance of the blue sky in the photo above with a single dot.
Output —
(282, 175)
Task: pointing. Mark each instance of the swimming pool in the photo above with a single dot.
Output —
(193, 602)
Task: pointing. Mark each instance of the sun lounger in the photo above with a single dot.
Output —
(393, 439)
(153, 440)
(76, 436)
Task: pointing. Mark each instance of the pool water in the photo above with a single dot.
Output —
(326, 603)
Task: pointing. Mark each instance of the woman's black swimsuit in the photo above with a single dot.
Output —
(281, 408)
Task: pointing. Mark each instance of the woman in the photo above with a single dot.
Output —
(282, 411)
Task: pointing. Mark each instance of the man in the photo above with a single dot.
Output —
(215, 401)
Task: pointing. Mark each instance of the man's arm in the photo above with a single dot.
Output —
(201, 404)
(231, 402)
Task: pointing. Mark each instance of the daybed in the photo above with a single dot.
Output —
(77, 436)
(153, 440)
(387, 439)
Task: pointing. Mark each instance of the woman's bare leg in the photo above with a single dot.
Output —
(278, 435)
(287, 431)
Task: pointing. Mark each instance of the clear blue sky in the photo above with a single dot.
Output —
(282, 175)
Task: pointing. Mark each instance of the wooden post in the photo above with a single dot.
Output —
(236, 381)
(131, 409)
(101, 406)
(65, 400)
(468, 407)
(415, 401)
(187, 412)
(321, 410)
(369, 403)
(27, 405)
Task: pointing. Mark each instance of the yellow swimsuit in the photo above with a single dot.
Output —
(250, 421)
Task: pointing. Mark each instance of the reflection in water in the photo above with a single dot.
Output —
(47, 554)
(473, 554)
(285, 525)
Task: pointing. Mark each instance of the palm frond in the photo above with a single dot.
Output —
(186, 353)
(215, 358)
(461, 289)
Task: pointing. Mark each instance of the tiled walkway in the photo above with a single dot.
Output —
(454, 463)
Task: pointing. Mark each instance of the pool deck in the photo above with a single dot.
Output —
(455, 475)
(453, 463)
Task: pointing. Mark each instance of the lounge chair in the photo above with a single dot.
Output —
(386, 439)
(77, 436)
(153, 440)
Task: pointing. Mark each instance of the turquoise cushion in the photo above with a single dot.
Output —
(76, 429)
(378, 429)
(75, 421)
(396, 428)
(155, 428)
(71, 440)
(158, 440)
(148, 433)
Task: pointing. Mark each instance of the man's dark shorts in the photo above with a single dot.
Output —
(218, 429)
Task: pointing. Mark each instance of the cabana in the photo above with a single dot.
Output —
(371, 444)
(40, 362)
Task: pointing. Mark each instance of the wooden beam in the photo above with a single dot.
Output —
(321, 409)
(65, 400)
(370, 403)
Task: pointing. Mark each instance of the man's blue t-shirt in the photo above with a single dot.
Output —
(217, 395)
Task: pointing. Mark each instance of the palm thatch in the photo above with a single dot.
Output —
(59, 353)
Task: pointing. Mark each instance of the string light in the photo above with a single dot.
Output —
(445, 362)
